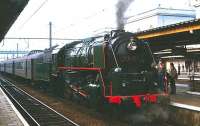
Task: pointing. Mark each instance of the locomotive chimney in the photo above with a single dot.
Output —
(115, 33)
(121, 7)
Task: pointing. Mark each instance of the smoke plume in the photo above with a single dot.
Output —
(121, 7)
(148, 117)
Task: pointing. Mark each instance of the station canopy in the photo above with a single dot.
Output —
(9, 11)
(170, 36)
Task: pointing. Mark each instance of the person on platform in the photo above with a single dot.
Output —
(172, 78)
(183, 68)
(179, 69)
(161, 75)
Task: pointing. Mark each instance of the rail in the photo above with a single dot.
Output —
(34, 111)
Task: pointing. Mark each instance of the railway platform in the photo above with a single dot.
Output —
(9, 115)
(188, 97)
(186, 105)
(184, 94)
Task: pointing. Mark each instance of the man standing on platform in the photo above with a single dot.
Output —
(179, 69)
(161, 75)
(172, 78)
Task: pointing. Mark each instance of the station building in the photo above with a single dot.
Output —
(165, 26)
(158, 17)
(177, 43)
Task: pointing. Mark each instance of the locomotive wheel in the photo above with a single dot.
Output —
(102, 105)
(72, 95)
(53, 85)
(90, 103)
(32, 84)
(76, 97)
(68, 93)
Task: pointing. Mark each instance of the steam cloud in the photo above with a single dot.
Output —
(122, 6)
(155, 114)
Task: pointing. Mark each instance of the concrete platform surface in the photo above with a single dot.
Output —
(185, 96)
(9, 115)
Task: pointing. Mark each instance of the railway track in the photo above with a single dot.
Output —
(34, 111)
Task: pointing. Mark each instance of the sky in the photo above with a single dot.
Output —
(73, 19)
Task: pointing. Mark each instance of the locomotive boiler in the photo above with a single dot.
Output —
(115, 69)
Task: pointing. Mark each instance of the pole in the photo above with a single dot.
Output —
(17, 50)
(50, 34)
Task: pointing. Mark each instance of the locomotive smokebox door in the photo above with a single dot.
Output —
(99, 56)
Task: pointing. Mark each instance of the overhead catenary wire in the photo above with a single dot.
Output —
(27, 38)
(84, 19)
(35, 12)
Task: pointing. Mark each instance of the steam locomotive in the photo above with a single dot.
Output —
(114, 69)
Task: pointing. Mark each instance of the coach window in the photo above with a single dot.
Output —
(20, 65)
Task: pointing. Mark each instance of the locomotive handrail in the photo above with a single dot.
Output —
(130, 73)
(80, 68)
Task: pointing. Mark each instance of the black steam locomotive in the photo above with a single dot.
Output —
(116, 69)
